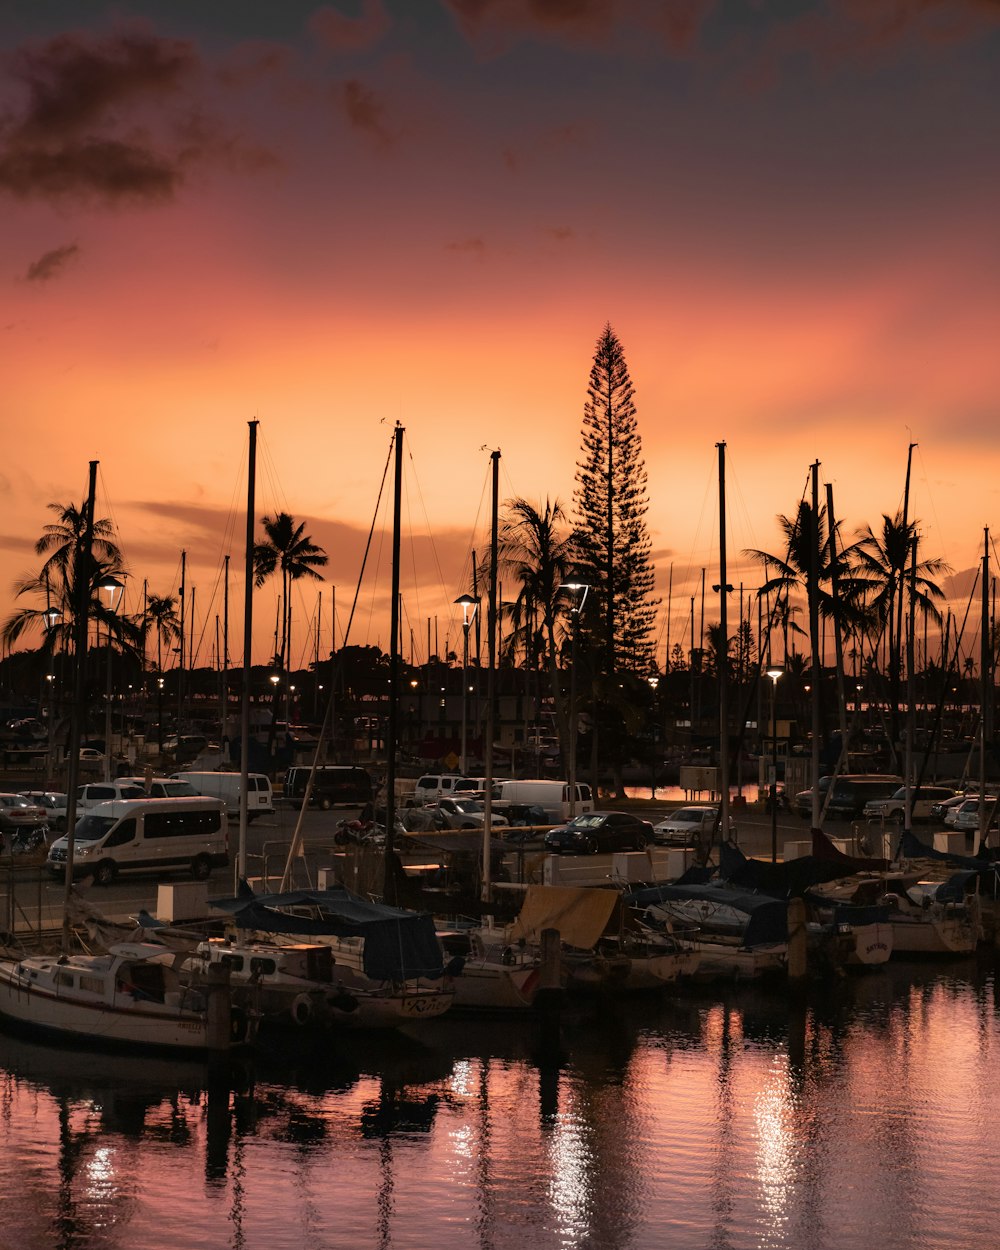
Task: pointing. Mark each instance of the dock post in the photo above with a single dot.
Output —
(218, 1009)
(550, 972)
(797, 940)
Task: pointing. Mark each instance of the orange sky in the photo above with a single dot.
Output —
(335, 217)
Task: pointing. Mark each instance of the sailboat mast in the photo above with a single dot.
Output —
(817, 724)
(82, 577)
(911, 711)
(241, 861)
(491, 677)
(388, 887)
(722, 656)
(180, 653)
(984, 686)
(224, 691)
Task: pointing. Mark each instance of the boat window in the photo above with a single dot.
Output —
(235, 962)
(263, 967)
(93, 985)
(64, 978)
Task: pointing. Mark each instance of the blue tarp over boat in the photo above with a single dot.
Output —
(398, 944)
(913, 848)
(766, 917)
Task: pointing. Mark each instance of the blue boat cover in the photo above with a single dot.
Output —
(398, 944)
(788, 879)
(913, 848)
(767, 917)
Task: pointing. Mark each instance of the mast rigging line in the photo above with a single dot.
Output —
(295, 846)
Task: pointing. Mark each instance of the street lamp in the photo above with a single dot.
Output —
(51, 616)
(579, 592)
(775, 674)
(111, 588)
(654, 682)
(469, 607)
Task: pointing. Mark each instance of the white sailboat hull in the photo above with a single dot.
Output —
(84, 999)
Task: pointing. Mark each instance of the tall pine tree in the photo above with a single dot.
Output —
(610, 500)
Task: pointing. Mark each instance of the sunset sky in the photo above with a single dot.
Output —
(335, 217)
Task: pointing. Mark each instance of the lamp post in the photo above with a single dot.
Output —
(52, 616)
(111, 588)
(469, 607)
(775, 674)
(654, 682)
(579, 591)
(159, 712)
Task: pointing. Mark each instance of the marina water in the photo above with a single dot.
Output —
(862, 1114)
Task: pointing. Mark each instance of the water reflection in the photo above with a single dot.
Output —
(863, 1116)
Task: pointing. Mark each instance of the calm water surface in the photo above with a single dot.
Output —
(864, 1116)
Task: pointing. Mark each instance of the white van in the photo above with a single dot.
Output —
(88, 796)
(226, 786)
(143, 835)
(551, 796)
(436, 786)
(162, 787)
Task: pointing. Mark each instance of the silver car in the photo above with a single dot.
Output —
(54, 805)
(687, 825)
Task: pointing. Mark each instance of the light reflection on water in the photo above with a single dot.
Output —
(863, 1115)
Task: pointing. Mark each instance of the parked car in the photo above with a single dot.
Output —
(17, 813)
(599, 831)
(464, 814)
(894, 807)
(684, 826)
(940, 810)
(90, 755)
(53, 803)
(851, 792)
(332, 785)
(967, 815)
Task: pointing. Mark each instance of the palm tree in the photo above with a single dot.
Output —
(161, 615)
(885, 565)
(792, 571)
(62, 539)
(54, 586)
(535, 550)
(291, 551)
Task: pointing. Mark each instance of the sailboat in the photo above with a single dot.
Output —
(133, 995)
(386, 958)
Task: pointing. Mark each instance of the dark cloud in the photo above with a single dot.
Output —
(52, 263)
(73, 83)
(341, 33)
(106, 168)
(200, 529)
(108, 119)
(364, 110)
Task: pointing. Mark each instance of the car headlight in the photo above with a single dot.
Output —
(82, 851)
